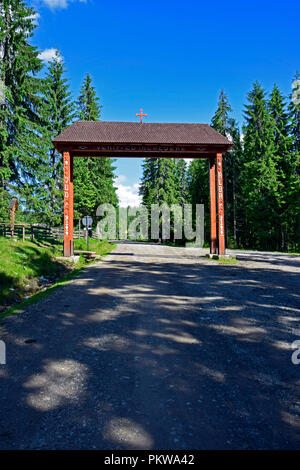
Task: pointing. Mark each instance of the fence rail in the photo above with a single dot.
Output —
(39, 232)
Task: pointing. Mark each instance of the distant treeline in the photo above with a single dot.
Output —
(261, 171)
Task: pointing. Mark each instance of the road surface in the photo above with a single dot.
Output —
(157, 348)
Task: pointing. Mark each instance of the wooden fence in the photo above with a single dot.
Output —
(39, 232)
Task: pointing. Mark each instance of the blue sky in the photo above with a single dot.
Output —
(170, 58)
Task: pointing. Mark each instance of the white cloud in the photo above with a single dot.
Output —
(48, 54)
(120, 179)
(128, 195)
(60, 3)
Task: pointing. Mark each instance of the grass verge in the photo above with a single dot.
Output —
(224, 261)
(29, 270)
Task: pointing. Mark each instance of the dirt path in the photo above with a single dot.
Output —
(157, 348)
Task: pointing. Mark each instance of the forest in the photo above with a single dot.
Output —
(261, 171)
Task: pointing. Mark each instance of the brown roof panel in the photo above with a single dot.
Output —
(144, 133)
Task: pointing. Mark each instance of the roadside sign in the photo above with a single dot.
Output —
(87, 221)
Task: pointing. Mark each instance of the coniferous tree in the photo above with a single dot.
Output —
(220, 119)
(181, 181)
(147, 188)
(57, 112)
(294, 194)
(163, 182)
(93, 177)
(234, 196)
(88, 105)
(294, 112)
(260, 182)
(198, 188)
(220, 123)
(21, 148)
(285, 164)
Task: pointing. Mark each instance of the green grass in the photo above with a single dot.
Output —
(27, 269)
(224, 261)
(19, 307)
(294, 253)
(101, 248)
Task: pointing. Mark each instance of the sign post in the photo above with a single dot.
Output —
(13, 206)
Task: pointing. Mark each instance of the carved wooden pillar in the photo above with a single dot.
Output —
(220, 193)
(68, 204)
(213, 216)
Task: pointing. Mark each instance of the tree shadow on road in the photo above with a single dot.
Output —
(146, 355)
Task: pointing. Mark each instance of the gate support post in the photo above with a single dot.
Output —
(220, 193)
(213, 216)
(68, 204)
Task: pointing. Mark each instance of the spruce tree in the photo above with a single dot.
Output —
(21, 148)
(162, 180)
(220, 119)
(163, 183)
(285, 165)
(260, 182)
(198, 188)
(294, 112)
(57, 113)
(181, 181)
(220, 123)
(294, 174)
(234, 195)
(93, 177)
(88, 104)
(147, 188)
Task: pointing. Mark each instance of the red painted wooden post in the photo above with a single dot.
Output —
(68, 205)
(213, 217)
(220, 193)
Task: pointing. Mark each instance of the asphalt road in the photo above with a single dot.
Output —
(157, 348)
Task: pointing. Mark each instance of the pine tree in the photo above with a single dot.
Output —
(198, 188)
(294, 174)
(163, 183)
(93, 177)
(181, 181)
(220, 119)
(220, 123)
(88, 105)
(259, 179)
(294, 112)
(147, 189)
(20, 127)
(284, 162)
(234, 196)
(57, 112)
